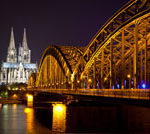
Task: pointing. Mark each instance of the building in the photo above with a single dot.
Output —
(17, 68)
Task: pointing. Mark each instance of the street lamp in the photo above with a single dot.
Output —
(78, 81)
(128, 76)
(89, 80)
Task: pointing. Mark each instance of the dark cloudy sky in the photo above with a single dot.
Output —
(53, 22)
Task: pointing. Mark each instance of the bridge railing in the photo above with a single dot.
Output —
(143, 94)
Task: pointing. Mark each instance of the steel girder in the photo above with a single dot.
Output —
(115, 43)
(56, 66)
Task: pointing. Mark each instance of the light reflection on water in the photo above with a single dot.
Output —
(29, 118)
(59, 118)
(19, 119)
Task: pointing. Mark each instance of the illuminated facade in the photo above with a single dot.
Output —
(17, 68)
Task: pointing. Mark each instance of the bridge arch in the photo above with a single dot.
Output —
(56, 65)
(118, 56)
(115, 43)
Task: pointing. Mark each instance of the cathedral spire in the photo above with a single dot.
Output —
(24, 42)
(12, 41)
(12, 54)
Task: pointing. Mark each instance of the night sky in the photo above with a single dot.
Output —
(53, 22)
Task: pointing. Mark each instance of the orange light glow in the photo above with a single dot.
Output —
(59, 117)
(90, 80)
(30, 97)
(105, 78)
(27, 95)
(29, 100)
(27, 110)
(14, 96)
(14, 106)
(58, 108)
(129, 76)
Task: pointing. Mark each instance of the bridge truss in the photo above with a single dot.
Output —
(118, 56)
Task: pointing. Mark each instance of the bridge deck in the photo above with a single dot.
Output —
(143, 94)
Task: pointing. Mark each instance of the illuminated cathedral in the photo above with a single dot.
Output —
(17, 68)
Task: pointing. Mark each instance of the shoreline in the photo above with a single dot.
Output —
(10, 101)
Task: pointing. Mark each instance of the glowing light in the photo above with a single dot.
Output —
(59, 118)
(27, 110)
(14, 106)
(143, 85)
(72, 77)
(30, 98)
(128, 76)
(58, 108)
(14, 96)
(27, 95)
(29, 118)
(78, 81)
(118, 86)
(90, 80)
(105, 79)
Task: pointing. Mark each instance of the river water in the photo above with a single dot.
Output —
(74, 118)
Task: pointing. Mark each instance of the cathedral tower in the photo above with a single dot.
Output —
(12, 54)
(27, 51)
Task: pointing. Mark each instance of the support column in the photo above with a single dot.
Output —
(135, 59)
(94, 74)
(122, 60)
(48, 71)
(102, 70)
(111, 65)
(146, 65)
(141, 66)
(88, 82)
(51, 78)
(130, 73)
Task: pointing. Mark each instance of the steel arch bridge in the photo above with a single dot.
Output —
(118, 56)
(56, 67)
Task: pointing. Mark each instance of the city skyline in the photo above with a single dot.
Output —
(53, 23)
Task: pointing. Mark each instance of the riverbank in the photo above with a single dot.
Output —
(9, 101)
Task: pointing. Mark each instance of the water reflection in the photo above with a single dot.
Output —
(29, 119)
(14, 107)
(18, 119)
(74, 118)
(59, 118)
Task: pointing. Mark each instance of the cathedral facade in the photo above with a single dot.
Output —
(18, 67)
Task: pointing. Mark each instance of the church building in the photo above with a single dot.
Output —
(17, 68)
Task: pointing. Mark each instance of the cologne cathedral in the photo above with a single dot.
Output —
(17, 68)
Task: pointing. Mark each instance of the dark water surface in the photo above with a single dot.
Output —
(74, 118)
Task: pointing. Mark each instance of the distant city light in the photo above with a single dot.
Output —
(14, 96)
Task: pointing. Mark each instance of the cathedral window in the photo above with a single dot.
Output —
(25, 57)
